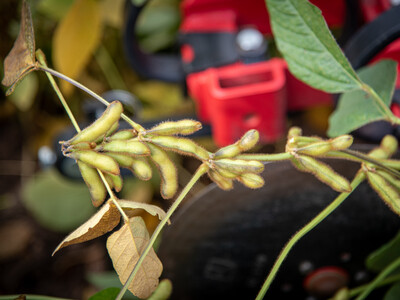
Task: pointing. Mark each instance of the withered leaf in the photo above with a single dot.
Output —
(103, 221)
(149, 208)
(125, 247)
(21, 59)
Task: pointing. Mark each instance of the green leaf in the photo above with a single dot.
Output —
(107, 294)
(393, 293)
(57, 203)
(308, 46)
(357, 108)
(382, 257)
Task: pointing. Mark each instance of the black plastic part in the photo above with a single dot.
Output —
(164, 67)
(211, 49)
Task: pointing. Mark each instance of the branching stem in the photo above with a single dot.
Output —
(306, 229)
(200, 172)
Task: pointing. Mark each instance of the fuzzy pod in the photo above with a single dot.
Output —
(389, 144)
(228, 151)
(315, 148)
(97, 190)
(131, 147)
(167, 170)
(101, 126)
(239, 166)
(324, 173)
(388, 193)
(180, 145)
(341, 142)
(97, 160)
(248, 140)
(83, 146)
(251, 180)
(141, 168)
(114, 181)
(222, 182)
(181, 127)
(125, 134)
(294, 131)
(125, 161)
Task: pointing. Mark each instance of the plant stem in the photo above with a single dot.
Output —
(307, 228)
(378, 279)
(266, 157)
(200, 172)
(358, 290)
(112, 196)
(378, 100)
(44, 68)
(41, 59)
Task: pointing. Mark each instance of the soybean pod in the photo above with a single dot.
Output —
(97, 190)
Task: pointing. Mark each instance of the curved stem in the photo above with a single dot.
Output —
(307, 228)
(200, 172)
(44, 68)
(41, 59)
(378, 279)
(389, 280)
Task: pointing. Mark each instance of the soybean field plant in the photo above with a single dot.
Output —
(100, 150)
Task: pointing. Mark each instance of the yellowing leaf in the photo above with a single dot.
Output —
(103, 221)
(125, 247)
(75, 39)
(21, 59)
(149, 208)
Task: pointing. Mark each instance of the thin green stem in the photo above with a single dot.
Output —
(307, 228)
(378, 100)
(266, 157)
(112, 196)
(41, 59)
(200, 172)
(44, 68)
(378, 279)
(389, 280)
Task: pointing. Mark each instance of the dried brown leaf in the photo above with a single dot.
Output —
(21, 59)
(125, 247)
(103, 221)
(149, 208)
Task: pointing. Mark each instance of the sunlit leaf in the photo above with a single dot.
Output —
(75, 39)
(393, 293)
(149, 208)
(357, 108)
(308, 46)
(21, 59)
(103, 221)
(125, 247)
(386, 254)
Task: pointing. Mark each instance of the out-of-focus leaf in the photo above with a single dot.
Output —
(393, 293)
(163, 291)
(149, 208)
(15, 236)
(124, 247)
(103, 221)
(107, 294)
(357, 108)
(112, 12)
(382, 257)
(57, 203)
(75, 39)
(106, 280)
(25, 93)
(54, 9)
(21, 59)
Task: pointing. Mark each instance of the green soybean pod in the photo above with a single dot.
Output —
(248, 140)
(125, 134)
(182, 127)
(141, 168)
(97, 160)
(83, 146)
(123, 160)
(324, 173)
(228, 151)
(342, 142)
(101, 126)
(109, 132)
(115, 181)
(389, 178)
(97, 190)
(389, 144)
(294, 131)
(225, 173)
(167, 170)
(388, 193)
(315, 148)
(132, 147)
(251, 180)
(239, 166)
(222, 182)
(180, 145)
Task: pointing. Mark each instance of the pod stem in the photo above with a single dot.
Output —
(306, 229)
(388, 280)
(48, 70)
(42, 61)
(200, 172)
